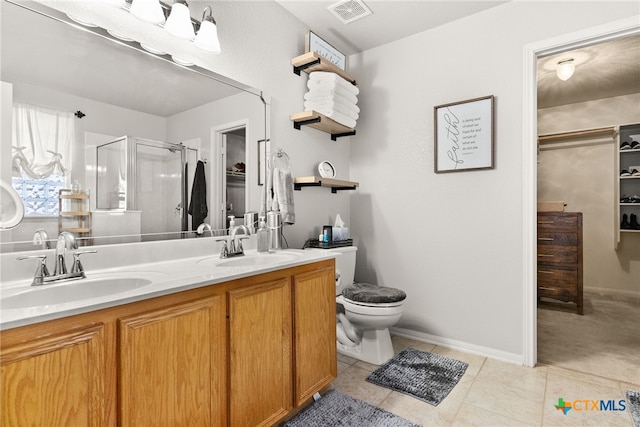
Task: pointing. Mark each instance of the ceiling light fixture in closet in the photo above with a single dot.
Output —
(565, 69)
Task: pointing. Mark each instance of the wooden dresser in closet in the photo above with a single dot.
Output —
(560, 257)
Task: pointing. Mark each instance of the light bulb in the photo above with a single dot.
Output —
(565, 69)
(148, 11)
(207, 38)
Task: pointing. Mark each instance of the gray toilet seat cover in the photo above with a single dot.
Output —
(368, 293)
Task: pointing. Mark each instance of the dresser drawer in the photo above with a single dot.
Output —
(566, 295)
(549, 276)
(557, 254)
(557, 239)
(553, 222)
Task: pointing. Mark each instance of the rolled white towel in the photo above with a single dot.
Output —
(328, 77)
(329, 95)
(336, 116)
(336, 106)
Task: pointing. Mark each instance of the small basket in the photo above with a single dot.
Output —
(315, 243)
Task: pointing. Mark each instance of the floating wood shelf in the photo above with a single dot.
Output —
(317, 181)
(311, 61)
(79, 196)
(321, 122)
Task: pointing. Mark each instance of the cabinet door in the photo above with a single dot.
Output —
(173, 366)
(260, 353)
(57, 380)
(314, 332)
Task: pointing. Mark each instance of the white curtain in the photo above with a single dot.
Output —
(42, 141)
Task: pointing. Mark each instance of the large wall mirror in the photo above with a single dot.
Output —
(145, 124)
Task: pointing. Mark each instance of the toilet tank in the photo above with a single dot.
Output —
(345, 267)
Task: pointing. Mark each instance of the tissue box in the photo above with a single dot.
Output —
(340, 233)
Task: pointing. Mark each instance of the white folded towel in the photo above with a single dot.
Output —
(330, 95)
(325, 86)
(337, 102)
(328, 77)
(332, 105)
(336, 116)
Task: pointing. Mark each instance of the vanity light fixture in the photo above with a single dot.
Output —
(565, 69)
(148, 11)
(207, 38)
(179, 21)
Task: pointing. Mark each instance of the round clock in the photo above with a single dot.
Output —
(326, 169)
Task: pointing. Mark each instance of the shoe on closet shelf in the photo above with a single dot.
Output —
(635, 145)
(625, 224)
(633, 223)
(624, 173)
(626, 145)
(635, 172)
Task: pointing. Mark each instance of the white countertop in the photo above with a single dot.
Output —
(166, 277)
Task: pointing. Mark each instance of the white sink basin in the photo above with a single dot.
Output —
(253, 260)
(77, 290)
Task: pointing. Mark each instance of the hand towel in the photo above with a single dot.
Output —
(329, 95)
(327, 77)
(198, 204)
(283, 195)
(337, 106)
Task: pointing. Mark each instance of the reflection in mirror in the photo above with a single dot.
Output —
(125, 93)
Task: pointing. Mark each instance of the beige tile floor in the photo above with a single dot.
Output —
(494, 393)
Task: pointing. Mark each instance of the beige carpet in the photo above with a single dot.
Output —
(605, 341)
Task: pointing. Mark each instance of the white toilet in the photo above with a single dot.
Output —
(369, 312)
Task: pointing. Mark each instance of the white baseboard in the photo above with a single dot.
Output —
(619, 294)
(465, 347)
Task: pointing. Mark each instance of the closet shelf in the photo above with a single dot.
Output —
(316, 181)
(321, 122)
(311, 61)
(553, 137)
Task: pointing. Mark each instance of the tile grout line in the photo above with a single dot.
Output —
(475, 377)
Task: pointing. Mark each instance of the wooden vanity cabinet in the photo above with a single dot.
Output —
(55, 377)
(172, 365)
(244, 352)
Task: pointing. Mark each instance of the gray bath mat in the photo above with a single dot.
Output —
(426, 376)
(335, 409)
(633, 400)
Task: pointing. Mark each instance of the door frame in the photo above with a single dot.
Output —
(218, 199)
(532, 52)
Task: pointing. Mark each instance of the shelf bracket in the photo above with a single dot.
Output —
(299, 186)
(334, 190)
(335, 136)
(298, 125)
(298, 68)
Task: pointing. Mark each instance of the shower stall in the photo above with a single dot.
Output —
(150, 177)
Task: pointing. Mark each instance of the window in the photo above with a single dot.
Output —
(40, 196)
(42, 140)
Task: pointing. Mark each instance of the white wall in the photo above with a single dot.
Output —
(583, 176)
(452, 241)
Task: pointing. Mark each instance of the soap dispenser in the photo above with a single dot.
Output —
(263, 236)
(232, 222)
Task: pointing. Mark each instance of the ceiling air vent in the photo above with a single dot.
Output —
(350, 10)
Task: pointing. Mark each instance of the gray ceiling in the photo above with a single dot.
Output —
(608, 69)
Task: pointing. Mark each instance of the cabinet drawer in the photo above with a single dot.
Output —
(566, 295)
(557, 254)
(557, 278)
(553, 222)
(558, 239)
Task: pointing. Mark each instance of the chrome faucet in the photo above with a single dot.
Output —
(236, 249)
(40, 237)
(66, 241)
(202, 227)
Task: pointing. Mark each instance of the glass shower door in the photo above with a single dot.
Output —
(160, 194)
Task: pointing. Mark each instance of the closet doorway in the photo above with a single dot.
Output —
(576, 167)
(232, 161)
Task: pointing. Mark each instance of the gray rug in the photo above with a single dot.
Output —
(426, 376)
(633, 401)
(335, 409)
